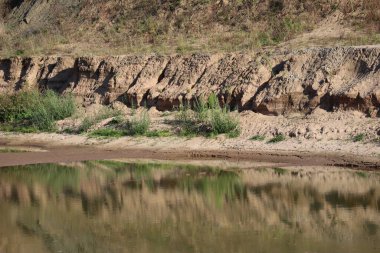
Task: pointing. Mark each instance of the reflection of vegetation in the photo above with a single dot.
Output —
(361, 174)
(171, 208)
(279, 171)
(350, 200)
(211, 182)
(55, 176)
(223, 186)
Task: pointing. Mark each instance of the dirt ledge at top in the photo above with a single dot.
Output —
(267, 82)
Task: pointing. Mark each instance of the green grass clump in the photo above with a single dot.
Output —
(104, 113)
(34, 111)
(359, 137)
(208, 119)
(257, 138)
(277, 138)
(223, 123)
(158, 133)
(107, 132)
(12, 150)
(138, 124)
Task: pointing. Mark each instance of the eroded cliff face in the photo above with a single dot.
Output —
(269, 83)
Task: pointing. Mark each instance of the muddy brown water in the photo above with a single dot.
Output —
(109, 206)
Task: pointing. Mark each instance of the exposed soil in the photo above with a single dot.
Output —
(269, 83)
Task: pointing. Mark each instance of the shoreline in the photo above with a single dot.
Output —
(55, 148)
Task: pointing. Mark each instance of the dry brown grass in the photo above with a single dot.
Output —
(373, 13)
(170, 26)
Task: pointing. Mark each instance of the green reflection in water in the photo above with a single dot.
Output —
(108, 206)
(56, 177)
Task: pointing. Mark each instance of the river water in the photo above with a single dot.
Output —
(108, 206)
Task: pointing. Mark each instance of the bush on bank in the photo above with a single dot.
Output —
(29, 111)
(209, 119)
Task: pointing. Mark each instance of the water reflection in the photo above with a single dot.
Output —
(119, 207)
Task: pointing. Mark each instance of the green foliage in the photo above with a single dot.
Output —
(158, 133)
(358, 138)
(87, 123)
(222, 122)
(138, 125)
(208, 119)
(277, 138)
(257, 138)
(34, 111)
(56, 177)
(221, 185)
(12, 150)
(283, 29)
(20, 52)
(104, 113)
(107, 132)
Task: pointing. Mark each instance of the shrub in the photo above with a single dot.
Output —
(138, 125)
(257, 138)
(104, 113)
(277, 138)
(222, 122)
(359, 137)
(208, 119)
(35, 110)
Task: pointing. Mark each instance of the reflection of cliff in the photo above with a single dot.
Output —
(112, 200)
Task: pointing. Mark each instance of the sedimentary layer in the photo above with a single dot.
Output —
(267, 82)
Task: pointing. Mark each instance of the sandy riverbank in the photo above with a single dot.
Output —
(68, 148)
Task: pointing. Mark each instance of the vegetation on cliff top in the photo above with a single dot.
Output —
(174, 26)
